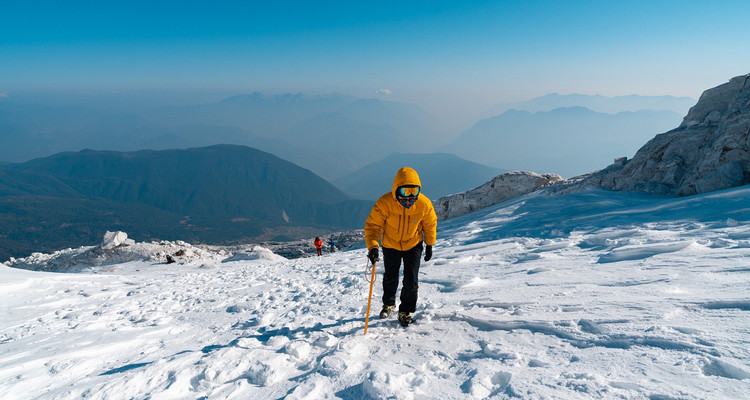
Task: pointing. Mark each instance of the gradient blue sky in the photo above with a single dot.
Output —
(448, 56)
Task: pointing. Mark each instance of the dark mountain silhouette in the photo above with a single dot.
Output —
(441, 174)
(217, 194)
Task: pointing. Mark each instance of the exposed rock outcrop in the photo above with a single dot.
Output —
(501, 188)
(114, 249)
(709, 151)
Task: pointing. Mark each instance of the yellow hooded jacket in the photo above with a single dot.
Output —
(401, 228)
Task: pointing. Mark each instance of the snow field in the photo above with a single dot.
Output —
(515, 304)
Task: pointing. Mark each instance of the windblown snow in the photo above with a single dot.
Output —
(593, 294)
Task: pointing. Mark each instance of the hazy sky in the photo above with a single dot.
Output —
(444, 55)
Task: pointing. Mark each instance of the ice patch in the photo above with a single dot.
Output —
(641, 252)
(716, 367)
(743, 305)
(453, 286)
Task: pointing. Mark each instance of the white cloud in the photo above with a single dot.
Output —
(384, 91)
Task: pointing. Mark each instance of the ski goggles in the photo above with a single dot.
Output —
(407, 195)
(408, 191)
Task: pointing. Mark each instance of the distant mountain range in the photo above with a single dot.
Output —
(441, 174)
(568, 141)
(598, 103)
(216, 194)
(233, 193)
(332, 135)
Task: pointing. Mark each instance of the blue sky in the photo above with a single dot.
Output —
(443, 55)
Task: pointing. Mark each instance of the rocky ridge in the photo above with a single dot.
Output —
(500, 188)
(709, 151)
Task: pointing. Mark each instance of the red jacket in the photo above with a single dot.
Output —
(318, 243)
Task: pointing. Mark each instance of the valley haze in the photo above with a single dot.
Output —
(68, 194)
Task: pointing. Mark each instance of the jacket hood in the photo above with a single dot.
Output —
(405, 176)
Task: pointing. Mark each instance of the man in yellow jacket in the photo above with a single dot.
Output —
(402, 219)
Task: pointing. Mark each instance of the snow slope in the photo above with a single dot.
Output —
(588, 295)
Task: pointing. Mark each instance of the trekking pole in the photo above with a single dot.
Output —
(369, 298)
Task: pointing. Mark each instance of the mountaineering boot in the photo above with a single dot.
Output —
(386, 311)
(405, 318)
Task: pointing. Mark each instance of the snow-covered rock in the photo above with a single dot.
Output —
(255, 253)
(115, 239)
(116, 248)
(501, 188)
(709, 151)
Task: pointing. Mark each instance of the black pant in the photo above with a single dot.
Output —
(392, 262)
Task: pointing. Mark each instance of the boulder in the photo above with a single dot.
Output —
(115, 239)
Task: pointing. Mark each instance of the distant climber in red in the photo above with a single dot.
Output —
(319, 245)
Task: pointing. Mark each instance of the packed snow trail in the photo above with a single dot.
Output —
(629, 304)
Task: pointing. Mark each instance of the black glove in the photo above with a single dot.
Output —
(427, 253)
(373, 255)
